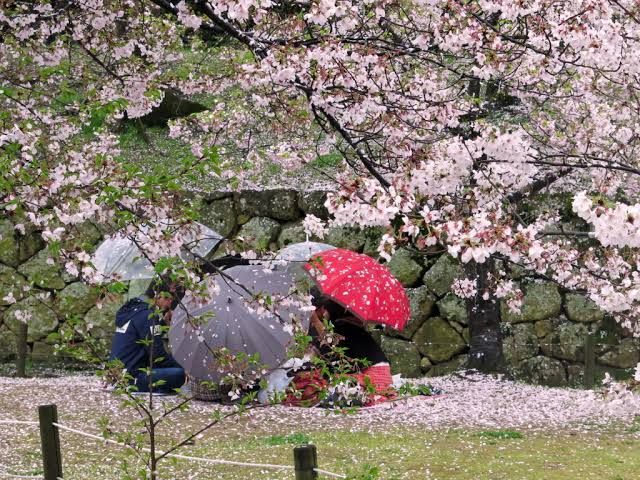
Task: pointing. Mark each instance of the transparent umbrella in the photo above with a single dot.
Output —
(232, 321)
(119, 256)
(302, 252)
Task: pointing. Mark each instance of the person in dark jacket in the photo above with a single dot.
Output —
(139, 322)
(353, 336)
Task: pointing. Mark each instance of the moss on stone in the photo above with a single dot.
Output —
(438, 340)
(541, 301)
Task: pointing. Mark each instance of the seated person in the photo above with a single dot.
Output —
(351, 333)
(138, 320)
(354, 338)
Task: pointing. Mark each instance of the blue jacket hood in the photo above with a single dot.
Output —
(131, 309)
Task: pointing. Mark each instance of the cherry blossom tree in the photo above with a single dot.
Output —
(449, 114)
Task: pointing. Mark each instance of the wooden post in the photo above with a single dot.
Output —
(21, 350)
(589, 361)
(50, 439)
(305, 459)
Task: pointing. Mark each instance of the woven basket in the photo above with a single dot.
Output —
(204, 392)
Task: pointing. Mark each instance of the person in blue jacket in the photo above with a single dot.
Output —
(139, 321)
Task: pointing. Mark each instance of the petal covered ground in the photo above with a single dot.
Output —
(468, 403)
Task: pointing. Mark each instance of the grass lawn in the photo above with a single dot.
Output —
(426, 446)
(403, 454)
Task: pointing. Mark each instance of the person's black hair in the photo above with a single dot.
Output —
(165, 284)
(316, 296)
(334, 310)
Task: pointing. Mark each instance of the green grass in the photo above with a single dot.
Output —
(500, 434)
(441, 455)
(330, 160)
(160, 150)
(293, 439)
(635, 427)
(156, 151)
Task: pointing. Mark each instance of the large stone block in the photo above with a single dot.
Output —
(542, 371)
(373, 236)
(11, 282)
(520, 343)
(453, 309)
(544, 327)
(442, 274)
(566, 342)
(219, 215)
(137, 287)
(43, 352)
(575, 374)
(291, 233)
(15, 248)
(43, 275)
(101, 322)
(404, 267)
(447, 368)
(312, 202)
(350, 238)
(278, 204)
(541, 300)
(425, 364)
(608, 334)
(258, 233)
(580, 309)
(76, 299)
(624, 355)
(83, 236)
(403, 356)
(43, 321)
(173, 105)
(7, 344)
(438, 340)
(421, 302)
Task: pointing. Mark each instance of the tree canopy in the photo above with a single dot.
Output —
(450, 115)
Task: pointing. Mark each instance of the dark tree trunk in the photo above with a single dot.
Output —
(485, 352)
(21, 350)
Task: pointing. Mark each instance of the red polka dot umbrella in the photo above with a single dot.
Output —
(361, 285)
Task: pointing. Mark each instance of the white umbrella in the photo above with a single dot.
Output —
(120, 256)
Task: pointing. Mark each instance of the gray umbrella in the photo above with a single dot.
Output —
(231, 321)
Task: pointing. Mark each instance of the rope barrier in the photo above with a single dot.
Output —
(329, 474)
(195, 459)
(231, 462)
(10, 475)
(525, 344)
(172, 455)
(95, 437)
(17, 422)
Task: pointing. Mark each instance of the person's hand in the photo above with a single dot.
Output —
(316, 322)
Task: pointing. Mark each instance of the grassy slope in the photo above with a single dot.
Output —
(165, 152)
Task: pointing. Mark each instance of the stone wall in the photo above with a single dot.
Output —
(543, 344)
